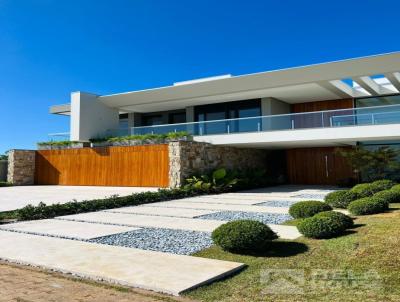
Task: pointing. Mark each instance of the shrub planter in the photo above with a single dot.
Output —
(72, 145)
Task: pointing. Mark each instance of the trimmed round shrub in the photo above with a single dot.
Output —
(390, 196)
(243, 236)
(395, 188)
(308, 208)
(340, 218)
(384, 184)
(341, 198)
(368, 205)
(363, 190)
(320, 227)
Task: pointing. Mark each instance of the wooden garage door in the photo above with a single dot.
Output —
(316, 166)
(142, 166)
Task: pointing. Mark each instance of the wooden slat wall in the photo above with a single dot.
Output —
(316, 120)
(308, 166)
(322, 105)
(141, 166)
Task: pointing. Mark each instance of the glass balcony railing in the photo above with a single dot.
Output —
(378, 115)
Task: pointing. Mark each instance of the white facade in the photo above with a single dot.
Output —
(94, 116)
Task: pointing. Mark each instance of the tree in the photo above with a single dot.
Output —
(370, 165)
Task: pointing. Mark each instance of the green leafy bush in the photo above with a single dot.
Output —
(304, 209)
(364, 190)
(218, 181)
(147, 137)
(368, 205)
(390, 196)
(5, 184)
(243, 236)
(57, 143)
(340, 218)
(341, 198)
(323, 226)
(395, 188)
(43, 211)
(383, 184)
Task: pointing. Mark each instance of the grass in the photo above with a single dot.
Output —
(374, 244)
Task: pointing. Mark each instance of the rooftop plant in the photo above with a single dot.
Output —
(57, 143)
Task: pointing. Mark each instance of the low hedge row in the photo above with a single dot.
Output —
(340, 199)
(368, 205)
(43, 211)
(308, 208)
(327, 224)
(243, 236)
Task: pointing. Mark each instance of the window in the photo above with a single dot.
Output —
(177, 117)
(151, 120)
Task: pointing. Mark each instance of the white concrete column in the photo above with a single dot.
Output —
(272, 106)
(90, 118)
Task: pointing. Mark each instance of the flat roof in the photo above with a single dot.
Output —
(316, 82)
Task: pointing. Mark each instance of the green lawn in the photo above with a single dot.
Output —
(374, 245)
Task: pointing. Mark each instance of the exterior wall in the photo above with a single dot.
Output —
(188, 158)
(21, 167)
(90, 118)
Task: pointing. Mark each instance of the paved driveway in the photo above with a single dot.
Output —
(148, 246)
(12, 198)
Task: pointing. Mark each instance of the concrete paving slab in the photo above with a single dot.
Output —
(66, 229)
(189, 204)
(171, 212)
(240, 200)
(163, 272)
(285, 232)
(12, 198)
(134, 220)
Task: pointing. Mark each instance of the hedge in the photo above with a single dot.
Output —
(320, 227)
(340, 218)
(341, 198)
(364, 190)
(308, 208)
(390, 196)
(43, 211)
(383, 184)
(243, 236)
(368, 205)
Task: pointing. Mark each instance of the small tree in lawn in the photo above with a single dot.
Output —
(371, 165)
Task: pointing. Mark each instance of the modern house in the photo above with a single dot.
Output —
(298, 114)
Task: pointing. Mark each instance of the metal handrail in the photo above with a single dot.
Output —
(271, 116)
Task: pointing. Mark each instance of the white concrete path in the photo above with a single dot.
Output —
(156, 271)
(66, 229)
(171, 212)
(191, 204)
(12, 198)
(200, 225)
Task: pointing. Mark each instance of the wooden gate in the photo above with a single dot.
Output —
(317, 166)
(139, 166)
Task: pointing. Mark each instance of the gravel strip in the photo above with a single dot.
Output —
(277, 203)
(311, 196)
(161, 240)
(270, 218)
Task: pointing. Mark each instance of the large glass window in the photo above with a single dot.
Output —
(378, 101)
(229, 110)
(151, 120)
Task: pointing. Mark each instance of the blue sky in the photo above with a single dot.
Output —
(50, 48)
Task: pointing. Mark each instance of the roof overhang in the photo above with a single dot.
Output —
(317, 82)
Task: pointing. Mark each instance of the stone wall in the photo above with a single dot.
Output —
(21, 167)
(188, 158)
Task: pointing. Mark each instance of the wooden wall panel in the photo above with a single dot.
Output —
(316, 120)
(142, 166)
(316, 166)
(322, 105)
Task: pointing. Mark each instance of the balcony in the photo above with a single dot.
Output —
(377, 115)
